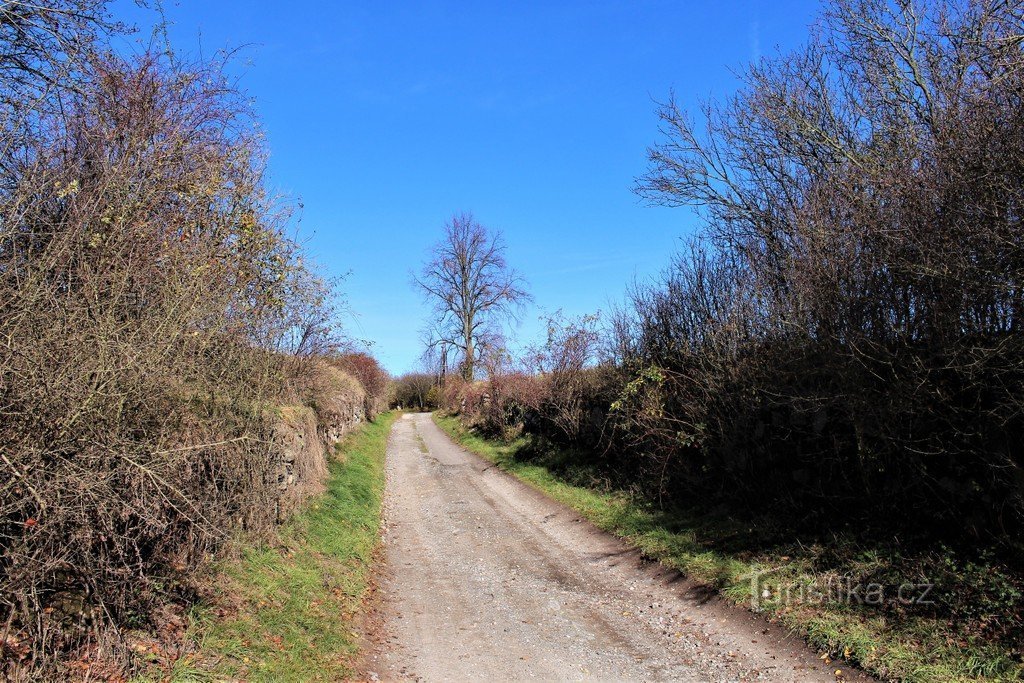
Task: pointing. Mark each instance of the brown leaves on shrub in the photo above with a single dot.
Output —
(145, 280)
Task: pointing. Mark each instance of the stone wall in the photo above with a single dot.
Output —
(305, 436)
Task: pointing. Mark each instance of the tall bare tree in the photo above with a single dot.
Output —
(472, 288)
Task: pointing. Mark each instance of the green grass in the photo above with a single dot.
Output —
(287, 612)
(896, 645)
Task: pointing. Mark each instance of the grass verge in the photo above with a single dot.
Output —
(286, 612)
(800, 586)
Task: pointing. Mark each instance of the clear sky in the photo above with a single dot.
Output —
(385, 118)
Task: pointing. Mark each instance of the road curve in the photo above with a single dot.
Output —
(487, 579)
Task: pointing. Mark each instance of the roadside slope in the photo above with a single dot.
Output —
(288, 612)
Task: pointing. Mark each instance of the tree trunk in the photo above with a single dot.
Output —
(467, 366)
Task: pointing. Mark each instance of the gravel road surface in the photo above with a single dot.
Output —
(486, 579)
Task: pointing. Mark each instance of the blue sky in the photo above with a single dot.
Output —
(385, 118)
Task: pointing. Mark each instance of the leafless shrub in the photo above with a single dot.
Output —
(367, 370)
(146, 284)
(568, 406)
(848, 332)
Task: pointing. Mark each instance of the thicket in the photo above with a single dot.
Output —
(153, 311)
(846, 334)
(840, 348)
(415, 391)
(374, 379)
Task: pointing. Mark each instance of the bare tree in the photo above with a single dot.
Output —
(472, 288)
(413, 391)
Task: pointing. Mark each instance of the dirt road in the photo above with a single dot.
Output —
(486, 579)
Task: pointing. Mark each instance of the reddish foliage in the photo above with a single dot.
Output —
(368, 371)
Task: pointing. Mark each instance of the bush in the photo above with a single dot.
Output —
(845, 338)
(374, 379)
(145, 287)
